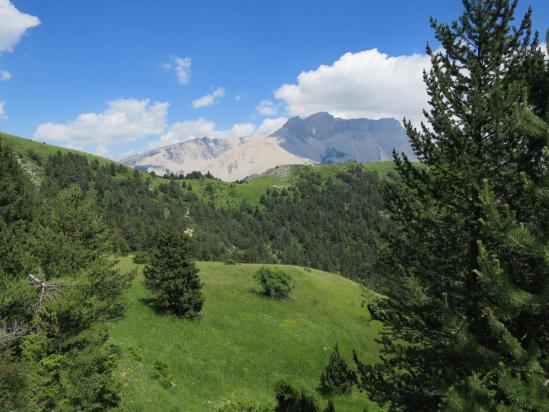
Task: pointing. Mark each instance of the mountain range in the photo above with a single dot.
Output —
(319, 138)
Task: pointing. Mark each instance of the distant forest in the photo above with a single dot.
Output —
(330, 223)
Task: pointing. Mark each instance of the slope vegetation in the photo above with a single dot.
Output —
(244, 342)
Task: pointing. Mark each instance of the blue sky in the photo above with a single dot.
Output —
(116, 77)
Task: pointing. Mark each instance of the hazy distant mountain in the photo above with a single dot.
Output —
(326, 139)
(226, 159)
(320, 138)
(182, 157)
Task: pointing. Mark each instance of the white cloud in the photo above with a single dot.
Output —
(14, 25)
(102, 150)
(182, 68)
(5, 75)
(364, 84)
(190, 129)
(201, 127)
(544, 49)
(209, 99)
(269, 126)
(2, 110)
(266, 108)
(124, 120)
(238, 97)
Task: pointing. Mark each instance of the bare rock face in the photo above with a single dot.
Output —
(320, 138)
(226, 159)
(327, 139)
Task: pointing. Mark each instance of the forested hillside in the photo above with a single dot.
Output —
(58, 286)
(328, 217)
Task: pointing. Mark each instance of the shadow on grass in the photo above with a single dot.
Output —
(149, 302)
(262, 294)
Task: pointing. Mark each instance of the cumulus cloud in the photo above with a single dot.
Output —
(14, 25)
(181, 66)
(201, 127)
(364, 84)
(2, 110)
(5, 75)
(102, 150)
(124, 120)
(269, 126)
(209, 99)
(266, 108)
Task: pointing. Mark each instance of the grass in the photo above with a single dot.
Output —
(22, 146)
(244, 343)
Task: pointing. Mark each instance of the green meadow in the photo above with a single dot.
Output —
(244, 342)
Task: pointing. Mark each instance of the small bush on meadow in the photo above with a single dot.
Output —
(290, 399)
(137, 353)
(162, 375)
(275, 282)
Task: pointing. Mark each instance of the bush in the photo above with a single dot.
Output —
(338, 378)
(290, 399)
(275, 282)
(162, 375)
(137, 353)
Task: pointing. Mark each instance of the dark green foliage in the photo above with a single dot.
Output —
(140, 258)
(54, 354)
(290, 399)
(338, 378)
(513, 274)
(13, 382)
(67, 169)
(17, 205)
(74, 375)
(172, 275)
(162, 374)
(466, 317)
(74, 234)
(17, 212)
(330, 407)
(275, 282)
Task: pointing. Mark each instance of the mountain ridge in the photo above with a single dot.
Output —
(318, 138)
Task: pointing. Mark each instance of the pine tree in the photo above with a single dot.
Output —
(514, 275)
(437, 333)
(173, 276)
(337, 378)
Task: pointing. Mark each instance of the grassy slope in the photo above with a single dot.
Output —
(244, 342)
(22, 146)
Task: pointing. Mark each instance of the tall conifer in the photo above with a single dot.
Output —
(438, 333)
